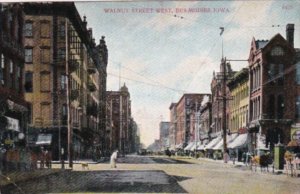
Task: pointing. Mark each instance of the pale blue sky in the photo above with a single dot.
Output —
(173, 54)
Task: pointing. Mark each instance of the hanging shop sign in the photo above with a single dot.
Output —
(13, 124)
(295, 134)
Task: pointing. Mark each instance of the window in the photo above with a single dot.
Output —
(61, 30)
(298, 73)
(11, 74)
(280, 106)
(297, 112)
(271, 71)
(2, 68)
(18, 80)
(45, 29)
(28, 29)
(63, 81)
(45, 112)
(28, 82)
(271, 107)
(28, 55)
(280, 74)
(45, 81)
(61, 53)
(277, 51)
(45, 55)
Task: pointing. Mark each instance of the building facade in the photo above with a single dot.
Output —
(217, 103)
(13, 107)
(118, 119)
(64, 72)
(272, 89)
(173, 126)
(185, 130)
(164, 134)
(238, 106)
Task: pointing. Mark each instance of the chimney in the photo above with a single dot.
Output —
(290, 34)
(90, 30)
(84, 21)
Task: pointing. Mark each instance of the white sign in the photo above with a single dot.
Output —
(13, 124)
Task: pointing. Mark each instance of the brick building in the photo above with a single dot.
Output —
(118, 119)
(13, 107)
(173, 126)
(272, 89)
(217, 103)
(185, 130)
(62, 59)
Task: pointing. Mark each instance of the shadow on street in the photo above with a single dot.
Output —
(154, 181)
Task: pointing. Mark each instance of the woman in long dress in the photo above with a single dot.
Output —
(113, 159)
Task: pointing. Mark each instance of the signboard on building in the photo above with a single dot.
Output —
(295, 134)
(13, 124)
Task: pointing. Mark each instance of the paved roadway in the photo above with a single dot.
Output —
(137, 174)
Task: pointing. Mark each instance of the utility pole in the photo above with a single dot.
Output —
(70, 150)
(224, 106)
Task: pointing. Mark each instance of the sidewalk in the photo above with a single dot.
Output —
(15, 177)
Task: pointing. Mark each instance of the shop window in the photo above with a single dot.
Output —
(28, 82)
(28, 55)
(28, 29)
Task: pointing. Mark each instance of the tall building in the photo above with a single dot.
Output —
(13, 107)
(185, 132)
(64, 70)
(173, 126)
(164, 134)
(118, 119)
(272, 89)
(217, 103)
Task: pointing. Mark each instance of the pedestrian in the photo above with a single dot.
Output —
(113, 159)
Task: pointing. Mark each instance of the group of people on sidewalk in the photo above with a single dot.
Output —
(24, 159)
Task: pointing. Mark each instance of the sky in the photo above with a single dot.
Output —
(161, 51)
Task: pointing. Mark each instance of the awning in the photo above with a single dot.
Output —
(212, 143)
(179, 146)
(239, 142)
(44, 139)
(188, 147)
(195, 146)
(200, 147)
(229, 139)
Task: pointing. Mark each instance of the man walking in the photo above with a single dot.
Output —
(113, 159)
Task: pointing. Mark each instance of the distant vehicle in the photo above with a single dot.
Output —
(142, 152)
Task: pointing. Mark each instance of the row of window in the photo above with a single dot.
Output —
(10, 73)
(44, 29)
(44, 54)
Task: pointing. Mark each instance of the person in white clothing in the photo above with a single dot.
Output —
(113, 159)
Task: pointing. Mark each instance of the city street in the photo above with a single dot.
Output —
(142, 174)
